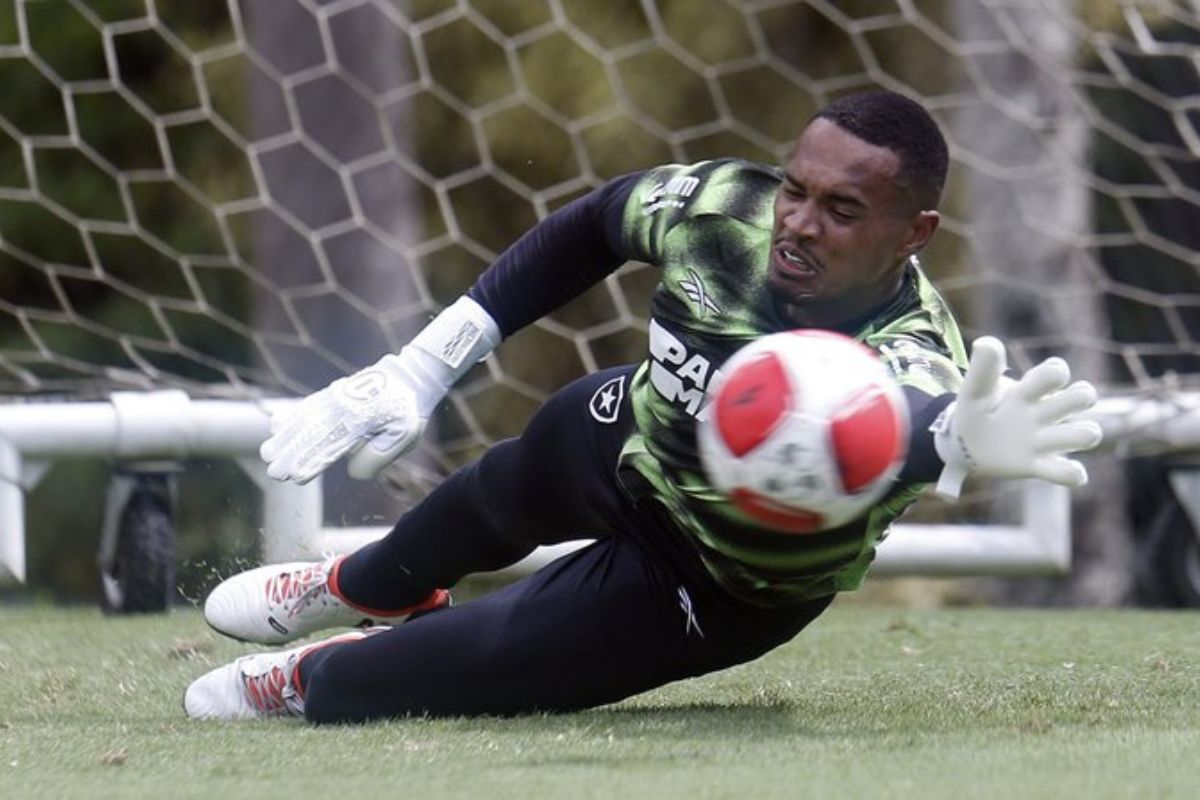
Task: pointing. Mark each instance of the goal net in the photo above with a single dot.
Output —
(246, 199)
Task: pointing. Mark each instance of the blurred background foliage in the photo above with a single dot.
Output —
(252, 198)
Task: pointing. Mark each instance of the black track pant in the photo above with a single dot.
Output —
(628, 613)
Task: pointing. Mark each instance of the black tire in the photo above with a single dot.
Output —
(1166, 567)
(142, 578)
(1178, 556)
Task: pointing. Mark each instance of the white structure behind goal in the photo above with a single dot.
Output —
(170, 424)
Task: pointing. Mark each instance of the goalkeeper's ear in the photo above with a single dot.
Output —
(921, 229)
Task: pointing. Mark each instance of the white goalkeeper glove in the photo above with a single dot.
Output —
(379, 412)
(1014, 429)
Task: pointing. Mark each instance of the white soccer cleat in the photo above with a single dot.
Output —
(256, 686)
(278, 603)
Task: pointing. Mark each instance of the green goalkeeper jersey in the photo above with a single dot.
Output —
(709, 228)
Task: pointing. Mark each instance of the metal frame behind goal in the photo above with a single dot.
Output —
(170, 424)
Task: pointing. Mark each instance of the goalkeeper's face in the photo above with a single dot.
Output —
(843, 228)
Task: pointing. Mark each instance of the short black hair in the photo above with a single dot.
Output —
(891, 120)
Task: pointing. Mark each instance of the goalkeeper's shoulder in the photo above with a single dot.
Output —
(920, 360)
(727, 186)
(918, 338)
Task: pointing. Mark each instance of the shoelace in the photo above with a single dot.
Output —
(271, 692)
(305, 586)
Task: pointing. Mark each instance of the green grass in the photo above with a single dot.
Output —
(869, 702)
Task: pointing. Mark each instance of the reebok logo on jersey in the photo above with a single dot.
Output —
(672, 194)
(606, 402)
(694, 288)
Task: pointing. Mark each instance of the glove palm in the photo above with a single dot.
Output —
(1014, 429)
(386, 400)
(380, 412)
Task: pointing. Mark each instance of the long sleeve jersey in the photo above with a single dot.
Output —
(708, 227)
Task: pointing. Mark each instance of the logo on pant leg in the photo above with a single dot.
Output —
(690, 623)
(606, 402)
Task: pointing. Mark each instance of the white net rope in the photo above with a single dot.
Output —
(250, 198)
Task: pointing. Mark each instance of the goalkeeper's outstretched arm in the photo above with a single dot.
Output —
(380, 412)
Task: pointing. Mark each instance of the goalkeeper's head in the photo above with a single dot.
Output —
(859, 197)
(896, 123)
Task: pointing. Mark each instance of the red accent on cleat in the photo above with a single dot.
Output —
(438, 598)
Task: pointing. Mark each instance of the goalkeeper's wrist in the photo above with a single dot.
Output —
(445, 349)
(955, 457)
(459, 337)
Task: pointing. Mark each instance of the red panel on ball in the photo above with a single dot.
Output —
(868, 437)
(752, 402)
(775, 516)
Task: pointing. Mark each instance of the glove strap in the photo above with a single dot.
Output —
(954, 455)
(459, 337)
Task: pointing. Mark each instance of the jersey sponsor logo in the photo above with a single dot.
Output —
(679, 376)
(606, 401)
(693, 287)
(672, 194)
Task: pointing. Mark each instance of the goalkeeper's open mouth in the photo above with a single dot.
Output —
(792, 261)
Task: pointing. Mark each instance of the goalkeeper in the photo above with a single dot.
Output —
(678, 583)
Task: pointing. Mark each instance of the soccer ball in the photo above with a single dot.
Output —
(804, 431)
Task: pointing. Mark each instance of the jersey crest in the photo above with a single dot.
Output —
(605, 404)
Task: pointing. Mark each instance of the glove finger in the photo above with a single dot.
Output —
(1068, 437)
(1060, 470)
(277, 471)
(269, 449)
(1049, 376)
(317, 458)
(295, 455)
(280, 456)
(280, 413)
(984, 371)
(305, 477)
(1079, 396)
(285, 425)
(276, 446)
(311, 469)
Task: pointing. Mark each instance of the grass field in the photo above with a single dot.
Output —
(869, 702)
